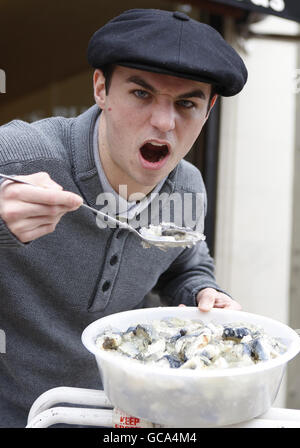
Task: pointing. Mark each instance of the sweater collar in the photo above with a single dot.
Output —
(83, 163)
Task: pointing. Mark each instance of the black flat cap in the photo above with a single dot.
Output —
(170, 43)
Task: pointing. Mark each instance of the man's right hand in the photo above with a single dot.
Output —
(31, 212)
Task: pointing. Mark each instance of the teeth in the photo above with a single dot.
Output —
(157, 144)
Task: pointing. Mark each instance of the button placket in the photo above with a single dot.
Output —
(110, 271)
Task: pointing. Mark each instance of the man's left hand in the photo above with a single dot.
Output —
(209, 298)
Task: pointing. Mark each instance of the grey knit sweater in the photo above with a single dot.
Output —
(53, 287)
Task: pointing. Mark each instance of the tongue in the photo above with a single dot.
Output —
(153, 153)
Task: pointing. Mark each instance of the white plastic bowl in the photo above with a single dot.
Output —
(190, 398)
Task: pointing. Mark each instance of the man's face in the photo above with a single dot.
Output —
(149, 122)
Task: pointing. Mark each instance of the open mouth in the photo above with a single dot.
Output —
(154, 152)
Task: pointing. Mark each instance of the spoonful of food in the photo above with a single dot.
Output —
(164, 235)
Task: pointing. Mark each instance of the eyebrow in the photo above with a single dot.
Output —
(142, 83)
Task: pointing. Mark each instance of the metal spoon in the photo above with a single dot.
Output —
(166, 239)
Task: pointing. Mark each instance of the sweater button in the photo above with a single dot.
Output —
(113, 260)
(120, 233)
(105, 286)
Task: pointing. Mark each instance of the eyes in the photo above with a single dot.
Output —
(187, 104)
(144, 95)
(141, 94)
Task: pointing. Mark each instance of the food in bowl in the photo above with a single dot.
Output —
(191, 344)
(177, 397)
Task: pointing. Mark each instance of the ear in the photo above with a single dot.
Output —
(99, 88)
(212, 103)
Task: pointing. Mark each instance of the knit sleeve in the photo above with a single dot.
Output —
(21, 144)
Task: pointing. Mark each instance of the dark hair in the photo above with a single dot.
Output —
(107, 71)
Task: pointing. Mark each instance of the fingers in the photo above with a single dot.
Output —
(33, 234)
(49, 193)
(32, 223)
(206, 302)
(33, 211)
(209, 298)
(45, 196)
(227, 303)
(41, 179)
(12, 211)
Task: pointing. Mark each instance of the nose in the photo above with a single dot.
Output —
(163, 116)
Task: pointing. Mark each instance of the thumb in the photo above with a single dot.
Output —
(206, 301)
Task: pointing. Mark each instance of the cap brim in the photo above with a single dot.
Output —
(164, 71)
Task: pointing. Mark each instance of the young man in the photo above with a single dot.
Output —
(157, 76)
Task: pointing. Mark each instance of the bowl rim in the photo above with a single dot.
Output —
(88, 339)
